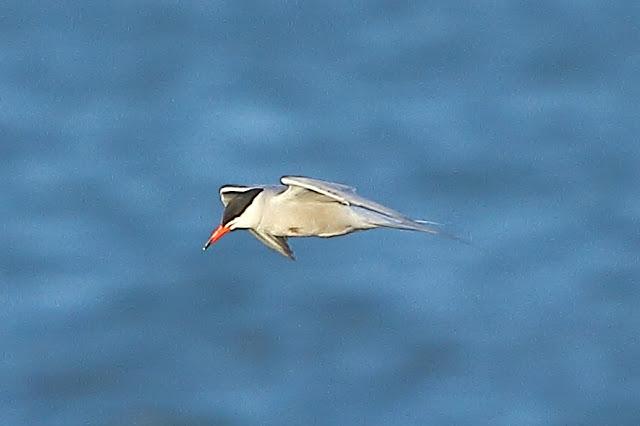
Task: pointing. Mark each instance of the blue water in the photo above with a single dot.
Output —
(515, 123)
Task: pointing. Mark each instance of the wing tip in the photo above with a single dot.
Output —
(287, 252)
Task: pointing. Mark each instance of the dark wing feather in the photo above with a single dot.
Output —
(278, 244)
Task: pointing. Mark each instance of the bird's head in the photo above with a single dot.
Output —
(236, 215)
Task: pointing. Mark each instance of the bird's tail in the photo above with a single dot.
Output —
(404, 223)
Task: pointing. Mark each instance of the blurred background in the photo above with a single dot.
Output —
(513, 122)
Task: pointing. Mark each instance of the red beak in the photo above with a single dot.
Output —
(217, 233)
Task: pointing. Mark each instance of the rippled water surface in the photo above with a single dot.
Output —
(515, 123)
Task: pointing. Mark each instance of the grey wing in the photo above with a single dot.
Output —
(321, 186)
(278, 244)
(341, 193)
(377, 213)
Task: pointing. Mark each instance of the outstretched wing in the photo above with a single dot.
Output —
(278, 244)
(317, 184)
(337, 192)
(378, 214)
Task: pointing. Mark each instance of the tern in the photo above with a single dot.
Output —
(305, 207)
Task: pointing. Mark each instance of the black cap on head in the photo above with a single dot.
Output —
(238, 203)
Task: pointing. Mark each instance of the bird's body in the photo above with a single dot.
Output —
(281, 213)
(304, 207)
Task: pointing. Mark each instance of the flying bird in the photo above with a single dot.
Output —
(305, 207)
